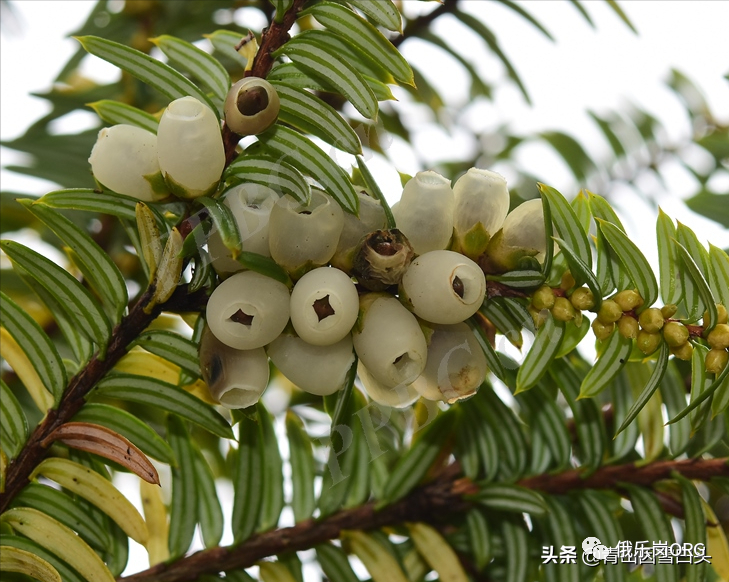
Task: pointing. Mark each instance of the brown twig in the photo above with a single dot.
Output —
(273, 38)
(421, 23)
(610, 477)
(434, 502)
(82, 383)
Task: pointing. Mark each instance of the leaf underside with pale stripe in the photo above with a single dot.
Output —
(37, 346)
(162, 77)
(310, 159)
(77, 302)
(197, 62)
(568, 224)
(102, 274)
(364, 36)
(540, 356)
(634, 262)
(273, 173)
(309, 113)
(146, 390)
(173, 348)
(116, 112)
(668, 262)
(307, 53)
(609, 363)
(383, 12)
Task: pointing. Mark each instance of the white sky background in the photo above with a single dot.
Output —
(599, 69)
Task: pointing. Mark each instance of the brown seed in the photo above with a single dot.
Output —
(241, 317)
(458, 287)
(322, 308)
(252, 101)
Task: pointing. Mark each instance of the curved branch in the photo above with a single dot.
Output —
(437, 500)
(417, 25)
(82, 383)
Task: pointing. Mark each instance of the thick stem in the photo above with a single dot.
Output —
(436, 501)
(82, 383)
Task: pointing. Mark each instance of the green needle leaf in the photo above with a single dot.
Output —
(162, 77)
(38, 347)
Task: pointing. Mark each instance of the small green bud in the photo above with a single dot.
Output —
(675, 334)
(716, 361)
(539, 316)
(723, 316)
(578, 319)
(609, 312)
(651, 320)
(668, 311)
(628, 327)
(628, 299)
(719, 337)
(582, 299)
(543, 298)
(683, 352)
(648, 342)
(602, 330)
(568, 281)
(563, 310)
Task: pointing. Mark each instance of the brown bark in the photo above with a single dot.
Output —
(81, 384)
(436, 501)
(273, 38)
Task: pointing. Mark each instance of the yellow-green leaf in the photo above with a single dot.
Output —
(59, 540)
(15, 560)
(96, 490)
(437, 553)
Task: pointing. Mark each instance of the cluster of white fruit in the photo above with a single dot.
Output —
(398, 299)
(186, 156)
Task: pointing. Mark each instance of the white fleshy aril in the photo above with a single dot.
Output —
(371, 218)
(398, 396)
(324, 306)
(251, 206)
(190, 148)
(524, 228)
(235, 378)
(251, 106)
(304, 236)
(389, 341)
(425, 212)
(456, 364)
(317, 370)
(443, 287)
(121, 158)
(481, 205)
(248, 310)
